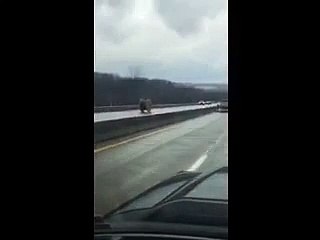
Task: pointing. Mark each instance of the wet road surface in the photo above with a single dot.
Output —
(127, 169)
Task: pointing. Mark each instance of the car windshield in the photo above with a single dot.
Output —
(160, 75)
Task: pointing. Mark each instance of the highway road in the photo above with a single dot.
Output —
(107, 116)
(125, 169)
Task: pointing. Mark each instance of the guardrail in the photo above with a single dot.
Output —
(132, 107)
(107, 130)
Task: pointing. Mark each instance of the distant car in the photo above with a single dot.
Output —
(222, 106)
(189, 205)
(201, 103)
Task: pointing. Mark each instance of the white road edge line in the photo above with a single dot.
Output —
(204, 156)
(132, 139)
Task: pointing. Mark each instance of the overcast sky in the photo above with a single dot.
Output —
(178, 40)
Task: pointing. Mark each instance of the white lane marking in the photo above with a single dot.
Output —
(204, 156)
(198, 163)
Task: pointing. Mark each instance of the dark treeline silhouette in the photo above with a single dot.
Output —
(111, 89)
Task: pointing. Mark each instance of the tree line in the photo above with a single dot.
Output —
(112, 90)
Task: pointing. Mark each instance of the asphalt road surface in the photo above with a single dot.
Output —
(124, 170)
(107, 116)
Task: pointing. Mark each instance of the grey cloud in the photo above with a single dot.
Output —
(114, 3)
(107, 23)
(184, 16)
(182, 41)
(120, 3)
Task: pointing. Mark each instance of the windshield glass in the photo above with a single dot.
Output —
(160, 75)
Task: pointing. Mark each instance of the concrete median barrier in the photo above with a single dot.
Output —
(132, 107)
(107, 130)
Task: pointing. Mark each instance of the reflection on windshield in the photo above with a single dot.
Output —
(153, 197)
(215, 188)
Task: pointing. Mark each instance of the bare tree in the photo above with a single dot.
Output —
(134, 71)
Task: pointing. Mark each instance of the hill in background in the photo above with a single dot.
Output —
(111, 89)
